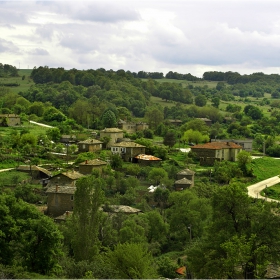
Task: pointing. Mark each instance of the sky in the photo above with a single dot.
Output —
(184, 36)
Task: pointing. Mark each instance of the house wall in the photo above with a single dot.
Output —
(59, 203)
(141, 126)
(87, 169)
(113, 135)
(129, 127)
(179, 187)
(131, 152)
(189, 177)
(204, 153)
(13, 121)
(89, 147)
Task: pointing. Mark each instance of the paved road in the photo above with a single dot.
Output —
(254, 190)
(41, 124)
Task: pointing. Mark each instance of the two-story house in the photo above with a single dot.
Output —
(88, 166)
(89, 145)
(208, 153)
(127, 150)
(112, 134)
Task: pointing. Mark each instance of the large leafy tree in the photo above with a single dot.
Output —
(132, 261)
(242, 239)
(28, 238)
(86, 218)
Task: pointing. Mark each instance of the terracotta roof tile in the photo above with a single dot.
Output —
(217, 146)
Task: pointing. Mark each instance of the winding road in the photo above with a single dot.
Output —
(254, 190)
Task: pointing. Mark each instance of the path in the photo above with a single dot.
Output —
(41, 124)
(254, 190)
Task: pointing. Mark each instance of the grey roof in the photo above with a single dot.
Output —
(71, 174)
(183, 181)
(186, 172)
(123, 209)
(33, 168)
(90, 141)
(128, 144)
(65, 189)
(111, 129)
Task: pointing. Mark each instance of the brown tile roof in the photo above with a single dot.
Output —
(147, 157)
(94, 162)
(128, 145)
(217, 146)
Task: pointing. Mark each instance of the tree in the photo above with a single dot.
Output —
(54, 134)
(109, 119)
(154, 116)
(216, 102)
(28, 238)
(169, 138)
(241, 240)
(132, 261)
(200, 100)
(86, 217)
(156, 175)
(244, 158)
(194, 136)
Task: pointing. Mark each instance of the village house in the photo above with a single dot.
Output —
(68, 139)
(132, 127)
(188, 174)
(207, 121)
(9, 120)
(144, 159)
(60, 199)
(246, 144)
(183, 184)
(36, 172)
(175, 122)
(65, 178)
(127, 150)
(89, 145)
(88, 166)
(112, 134)
(210, 152)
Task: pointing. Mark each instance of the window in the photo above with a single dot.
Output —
(72, 197)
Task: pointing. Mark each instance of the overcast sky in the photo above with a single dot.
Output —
(186, 36)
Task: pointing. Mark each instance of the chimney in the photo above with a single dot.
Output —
(56, 188)
(86, 162)
(67, 213)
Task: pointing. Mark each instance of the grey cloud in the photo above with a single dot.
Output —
(6, 46)
(39, 51)
(106, 12)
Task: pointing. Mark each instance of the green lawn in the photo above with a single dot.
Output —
(272, 192)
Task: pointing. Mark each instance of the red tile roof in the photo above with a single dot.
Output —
(217, 146)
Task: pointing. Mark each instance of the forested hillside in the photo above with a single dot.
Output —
(210, 229)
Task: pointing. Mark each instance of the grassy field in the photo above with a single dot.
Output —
(24, 84)
(264, 168)
(272, 192)
(185, 83)
(31, 128)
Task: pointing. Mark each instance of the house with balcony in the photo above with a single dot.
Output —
(127, 150)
